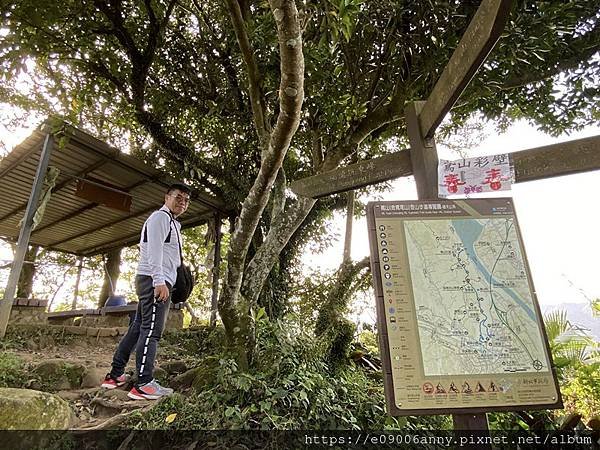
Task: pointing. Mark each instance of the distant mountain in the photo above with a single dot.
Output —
(578, 314)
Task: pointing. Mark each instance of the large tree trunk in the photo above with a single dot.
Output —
(235, 308)
(111, 274)
(25, 283)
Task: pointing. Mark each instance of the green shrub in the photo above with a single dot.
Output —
(288, 388)
(581, 390)
(12, 371)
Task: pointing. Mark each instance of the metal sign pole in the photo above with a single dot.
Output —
(24, 235)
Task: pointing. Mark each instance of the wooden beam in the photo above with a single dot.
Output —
(477, 42)
(564, 158)
(354, 176)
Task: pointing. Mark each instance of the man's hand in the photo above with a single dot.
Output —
(161, 292)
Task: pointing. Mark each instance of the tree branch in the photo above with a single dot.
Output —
(259, 110)
(279, 234)
(566, 60)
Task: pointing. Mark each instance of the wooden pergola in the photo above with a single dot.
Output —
(98, 199)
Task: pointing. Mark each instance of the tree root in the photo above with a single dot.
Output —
(112, 422)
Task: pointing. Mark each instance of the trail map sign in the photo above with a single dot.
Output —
(459, 323)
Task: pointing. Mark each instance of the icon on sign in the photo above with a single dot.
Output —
(381, 227)
(479, 387)
(382, 235)
(393, 319)
(453, 388)
(439, 389)
(385, 258)
(388, 283)
(387, 275)
(428, 388)
(386, 267)
(466, 388)
(384, 251)
(384, 243)
(392, 310)
(492, 387)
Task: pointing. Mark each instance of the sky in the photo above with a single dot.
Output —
(558, 217)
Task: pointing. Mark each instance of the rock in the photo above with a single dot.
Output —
(68, 395)
(185, 380)
(58, 374)
(160, 374)
(26, 409)
(174, 367)
(93, 377)
(117, 394)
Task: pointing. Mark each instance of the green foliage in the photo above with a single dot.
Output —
(575, 356)
(569, 344)
(532, 421)
(289, 388)
(369, 339)
(12, 373)
(581, 390)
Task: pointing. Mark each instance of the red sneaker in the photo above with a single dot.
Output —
(113, 383)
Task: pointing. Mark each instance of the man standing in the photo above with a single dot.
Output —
(160, 256)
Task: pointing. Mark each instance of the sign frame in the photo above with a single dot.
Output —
(384, 343)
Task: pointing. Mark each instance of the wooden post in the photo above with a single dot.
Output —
(215, 271)
(423, 154)
(76, 293)
(424, 158)
(24, 234)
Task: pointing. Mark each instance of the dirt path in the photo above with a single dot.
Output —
(95, 407)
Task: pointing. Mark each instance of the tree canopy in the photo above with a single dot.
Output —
(238, 97)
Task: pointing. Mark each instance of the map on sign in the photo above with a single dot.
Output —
(459, 325)
(474, 308)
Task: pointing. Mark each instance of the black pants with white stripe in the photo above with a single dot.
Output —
(144, 332)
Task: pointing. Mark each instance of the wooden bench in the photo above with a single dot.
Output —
(121, 315)
(64, 317)
(111, 316)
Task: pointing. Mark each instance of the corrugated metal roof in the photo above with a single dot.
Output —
(72, 224)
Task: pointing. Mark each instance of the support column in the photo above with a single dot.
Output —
(424, 157)
(216, 271)
(25, 234)
(349, 220)
(76, 293)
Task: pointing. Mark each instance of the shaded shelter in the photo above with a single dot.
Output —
(99, 198)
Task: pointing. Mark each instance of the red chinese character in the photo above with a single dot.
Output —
(452, 182)
(493, 179)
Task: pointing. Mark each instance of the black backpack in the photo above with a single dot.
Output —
(183, 285)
